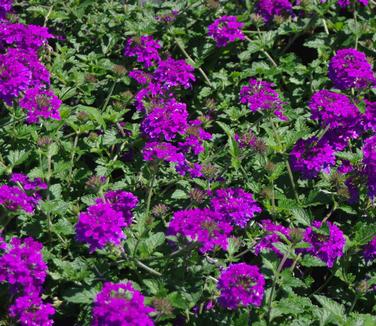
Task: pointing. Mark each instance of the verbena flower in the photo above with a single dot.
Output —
(326, 242)
(99, 226)
(369, 161)
(309, 157)
(347, 3)
(29, 310)
(241, 285)
(5, 8)
(27, 183)
(226, 29)
(194, 137)
(349, 68)
(334, 110)
(166, 121)
(145, 49)
(40, 103)
(204, 226)
(23, 36)
(174, 73)
(369, 251)
(14, 78)
(22, 266)
(236, 205)
(270, 8)
(121, 201)
(120, 305)
(272, 236)
(163, 151)
(370, 116)
(260, 95)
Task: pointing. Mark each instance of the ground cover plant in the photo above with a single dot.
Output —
(191, 162)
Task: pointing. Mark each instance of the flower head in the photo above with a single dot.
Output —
(370, 116)
(226, 30)
(121, 305)
(236, 205)
(5, 8)
(369, 161)
(145, 49)
(241, 285)
(326, 242)
(270, 8)
(349, 68)
(369, 251)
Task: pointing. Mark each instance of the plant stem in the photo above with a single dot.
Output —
(109, 95)
(291, 176)
(276, 275)
(147, 268)
(325, 26)
(354, 303)
(150, 193)
(268, 56)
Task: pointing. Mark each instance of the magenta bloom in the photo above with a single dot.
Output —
(29, 310)
(22, 266)
(226, 29)
(241, 285)
(99, 226)
(166, 121)
(334, 110)
(347, 3)
(163, 151)
(349, 68)
(145, 49)
(310, 157)
(121, 305)
(203, 226)
(40, 104)
(121, 201)
(194, 138)
(370, 116)
(14, 78)
(270, 8)
(369, 161)
(27, 183)
(174, 73)
(369, 251)
(260, 95)
(327, 243)
(5, 8)
(236, 205)
(272, 236)
(23, 36)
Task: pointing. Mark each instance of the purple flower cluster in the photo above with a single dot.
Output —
(369, 251)
(270, 8)
(103, 223)
(370, 116)
(121, 305)
(22, 76)
(260, 95)
(349, 68)
(369, 161)
(326, 242)
(23, 268)
(145, 49)
(171, 137)
(347, 3)
(309, 157)
(226, 29)
(203, 226)
(235, 205)
(273, 235)
(241, 285)
(5, 8)
(23, 195)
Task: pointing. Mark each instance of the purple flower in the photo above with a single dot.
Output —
(169, 17)
(14, 78)
(5, 8)
(272, 236)
(241, 285)
(145, 49)
(326, 242)
(226, 30)
(194, 138)
(99, 226)
(349, 68)
(27, 183)
(370, 116)
(163, 151)
(369, 251)
(347, 3)
(270, 8)
(29, 310)
(166, 121)
(22, 266)
(203, 226)
(334, 110)
(23, 36)
(236, 205)
(40, 104)
(121, 201)
(121, 305)
(309, 157)
(369, 161)
(260, 95)
(174, 73)
(140, 76)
